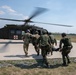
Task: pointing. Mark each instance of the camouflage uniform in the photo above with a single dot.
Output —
(45, 47)
(67, 46)
(26, 39)
(53, 42)
(34, 42)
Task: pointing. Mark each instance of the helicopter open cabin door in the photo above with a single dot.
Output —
(15, 34)
(18, 34)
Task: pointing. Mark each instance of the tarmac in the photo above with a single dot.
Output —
(13, 50)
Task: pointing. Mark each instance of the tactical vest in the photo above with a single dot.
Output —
(66, 42)
(44, 40)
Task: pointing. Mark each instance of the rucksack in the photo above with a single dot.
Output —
(67, 42)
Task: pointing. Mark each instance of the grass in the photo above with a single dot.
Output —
(73, 37)
(31, 67)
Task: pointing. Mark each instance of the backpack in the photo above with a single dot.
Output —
(67, 42)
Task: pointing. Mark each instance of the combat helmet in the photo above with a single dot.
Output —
(63, 34)
(36, 32)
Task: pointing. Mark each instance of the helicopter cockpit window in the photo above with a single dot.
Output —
(18, 32)
(12, 31)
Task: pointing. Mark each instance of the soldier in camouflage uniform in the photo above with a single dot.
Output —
(26, 39)
(53, 39)
(53, 42)
(35, 38)
(65, 47)
(44, 41)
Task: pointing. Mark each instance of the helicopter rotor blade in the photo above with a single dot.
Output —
(52, 24)
(37, 12)
(12, 19)
(26, 21)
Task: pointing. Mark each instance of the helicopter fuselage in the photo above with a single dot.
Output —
(15, 31)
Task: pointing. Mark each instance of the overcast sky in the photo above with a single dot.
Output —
(60, 11)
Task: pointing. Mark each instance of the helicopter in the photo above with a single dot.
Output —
(13, 31)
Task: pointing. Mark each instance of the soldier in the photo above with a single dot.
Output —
(34, 42)
(53, 42)
(26, 39)
(65, 47)
(53, 39)
(44, 41)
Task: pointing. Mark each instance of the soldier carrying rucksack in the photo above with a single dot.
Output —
(35, 38)
(65, 47)
(45, 44)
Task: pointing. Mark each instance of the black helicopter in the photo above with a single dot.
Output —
(15, 31)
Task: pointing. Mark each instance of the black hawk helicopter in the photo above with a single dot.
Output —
(15, 31)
